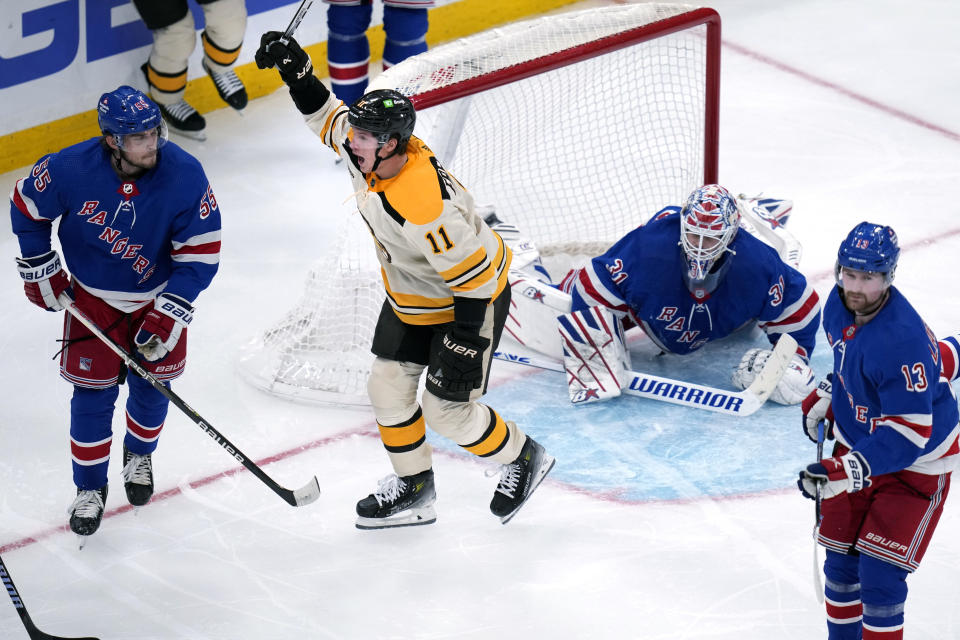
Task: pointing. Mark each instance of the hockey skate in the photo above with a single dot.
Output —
(180, 116)
(229, 86)
(137, 477)
(399, 502)
(86, 512)
(519, 479)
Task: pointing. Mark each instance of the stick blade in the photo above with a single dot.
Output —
(775, 367)
(306, 494)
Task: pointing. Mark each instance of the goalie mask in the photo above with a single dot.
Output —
(126, 111)
(708, 224)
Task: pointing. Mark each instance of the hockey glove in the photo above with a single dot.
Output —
(162, 326)
(293, 62)
(44, 280)
(817, 408)
(460, 360)
(796, 383)
(848, 473)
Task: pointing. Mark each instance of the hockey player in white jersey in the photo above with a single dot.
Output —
(445, 275)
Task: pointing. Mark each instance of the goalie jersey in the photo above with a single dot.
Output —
(891, 401)
(123, 241)
(641, 277)
(431, 243)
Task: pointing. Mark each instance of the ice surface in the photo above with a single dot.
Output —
(657, 522)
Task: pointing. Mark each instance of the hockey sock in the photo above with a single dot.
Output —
(884, 594)
(842, 591)
(348, 50)
(146, 411)
(406, 31)
(91, 414)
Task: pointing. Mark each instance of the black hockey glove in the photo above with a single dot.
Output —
(460, 360)
(293, 62)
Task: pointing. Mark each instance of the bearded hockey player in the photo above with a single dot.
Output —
(445, 275)
(140, 232)
(894, 418)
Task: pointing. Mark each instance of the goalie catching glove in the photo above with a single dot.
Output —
(163, 326)
(794, 386)
(848, 473)
(44, 280)
(459, 364)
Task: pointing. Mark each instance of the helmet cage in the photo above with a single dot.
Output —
(708, 224)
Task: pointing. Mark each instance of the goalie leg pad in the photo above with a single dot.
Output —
(594, 355)
(534, 308)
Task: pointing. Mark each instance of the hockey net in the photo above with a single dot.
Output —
(575, 127)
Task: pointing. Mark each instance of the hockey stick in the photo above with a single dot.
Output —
(689, 394)
(32, 631)
(295, 22)
(304, 495)
(817, 581)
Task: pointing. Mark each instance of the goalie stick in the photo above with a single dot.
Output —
(32, 631)
(689, 394)
(296, 498)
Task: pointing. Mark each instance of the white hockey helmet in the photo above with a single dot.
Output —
(708, 224)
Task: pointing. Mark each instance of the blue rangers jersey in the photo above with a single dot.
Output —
(123, 241)
(641, 276)
(891, 402)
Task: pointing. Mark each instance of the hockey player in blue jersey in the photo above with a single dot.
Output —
(405, 24)
(894, 417)
(139, 229)
(690, 276)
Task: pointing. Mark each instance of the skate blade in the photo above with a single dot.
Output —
(408, 518)
(82, 541)
(199, 136)
(546, 465)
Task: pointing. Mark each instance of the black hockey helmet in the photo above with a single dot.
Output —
(386, 113)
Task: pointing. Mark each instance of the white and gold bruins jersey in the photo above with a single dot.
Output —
(431, 243)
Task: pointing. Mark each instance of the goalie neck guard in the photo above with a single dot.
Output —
(709, 222)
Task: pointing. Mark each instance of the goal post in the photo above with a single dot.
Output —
(576, 127)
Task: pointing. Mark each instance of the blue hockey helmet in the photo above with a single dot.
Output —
(869, 247)
(127, 110)
(708, 224)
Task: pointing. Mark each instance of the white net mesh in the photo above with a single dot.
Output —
(575, 152)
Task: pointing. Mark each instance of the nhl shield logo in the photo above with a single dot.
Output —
(86, 364)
